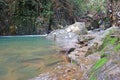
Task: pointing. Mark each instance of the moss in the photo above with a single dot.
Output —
(103, 55)
(73, 62)
(96, 67)
(109, 41)
(117, 47)
(93, 78)
(110, 44)
(99, 63)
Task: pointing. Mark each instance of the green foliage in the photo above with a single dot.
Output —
(80, 7)
(25, 13)
(47, 12)
(21, 11)
(97, 5)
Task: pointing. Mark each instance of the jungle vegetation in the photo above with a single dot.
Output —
(25, 17)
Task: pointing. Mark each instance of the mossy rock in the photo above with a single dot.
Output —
(95, 68)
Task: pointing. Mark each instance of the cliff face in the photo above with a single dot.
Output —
(33, 16)
(24, 17)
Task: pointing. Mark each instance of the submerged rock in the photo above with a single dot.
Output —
(62, 72)
(45, 76)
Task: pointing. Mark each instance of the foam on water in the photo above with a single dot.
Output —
(27, 36)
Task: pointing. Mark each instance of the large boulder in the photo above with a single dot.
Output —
(67, 38)
(78, 28)
(56, 33)
(63, 39)
(67, 41)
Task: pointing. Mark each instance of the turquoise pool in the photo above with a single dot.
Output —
(24, 57)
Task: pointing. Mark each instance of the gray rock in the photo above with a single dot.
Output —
(64, 39)
(85, 38)
(78, 28)
(54, 34)
(67, 41)
(45, 76)
(99, 37)
(68, 37)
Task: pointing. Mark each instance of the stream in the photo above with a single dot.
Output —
(24, 57)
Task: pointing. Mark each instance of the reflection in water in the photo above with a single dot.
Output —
(22, 58)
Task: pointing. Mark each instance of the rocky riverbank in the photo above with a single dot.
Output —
(94, 54)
